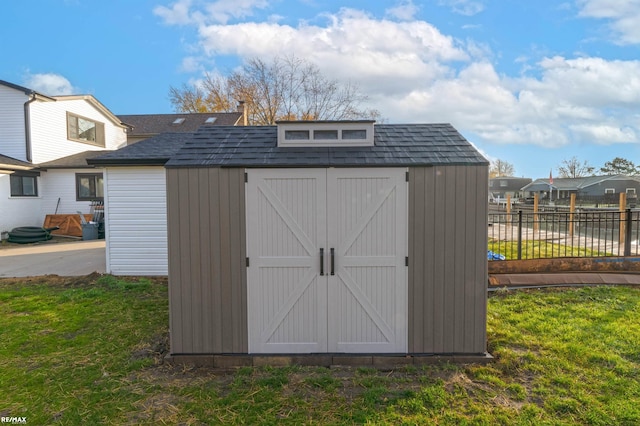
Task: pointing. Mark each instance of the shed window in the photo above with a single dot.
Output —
(354, 134)
(23, 186)
(85, 130)
(325, 134)
(89, 187)
(210, 120)
(296, 135)
(609, 190)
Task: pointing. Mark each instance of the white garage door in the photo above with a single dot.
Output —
(326, 252)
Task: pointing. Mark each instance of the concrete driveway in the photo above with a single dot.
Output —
(60, 258)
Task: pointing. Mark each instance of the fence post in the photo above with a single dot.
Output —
(623, 223)
(627, 240)
(519, 234)
(536, 202)
(572, 210)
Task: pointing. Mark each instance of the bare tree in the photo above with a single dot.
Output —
(574, 168)
(287, 88)
(500, 168)
(620, 166)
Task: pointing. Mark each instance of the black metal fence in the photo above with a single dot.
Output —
(537, 235)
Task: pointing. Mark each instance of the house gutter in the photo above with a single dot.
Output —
(27, 126)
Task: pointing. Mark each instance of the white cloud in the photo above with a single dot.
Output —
(464, 7)
(49, 84)
(412, 72)
(404, 11)
(623, 17)
(177, 14)
(223, 10)
(184, 12)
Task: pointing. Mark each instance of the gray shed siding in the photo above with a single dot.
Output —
(207, 273)
(447, 259)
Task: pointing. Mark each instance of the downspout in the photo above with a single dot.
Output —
(27, 126)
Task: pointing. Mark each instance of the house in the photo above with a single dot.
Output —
(503, 186)
(324, 239)
(144, 126)
(136, 225)
(135, 215)
(591, 186)
(36, 132)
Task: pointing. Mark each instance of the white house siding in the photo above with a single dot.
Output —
(12, 140)
(49, 129)
(62, 184)
(18, 211)
(136, 220)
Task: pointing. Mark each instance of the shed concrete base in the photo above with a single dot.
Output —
(325, 360)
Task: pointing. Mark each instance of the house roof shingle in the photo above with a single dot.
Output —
(153, 151)
(394, 145)
(13, 164)
(75, 161)
(153, 124)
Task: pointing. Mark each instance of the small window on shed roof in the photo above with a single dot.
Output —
(178, 120)
(210, 120)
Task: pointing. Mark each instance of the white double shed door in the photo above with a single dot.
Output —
(327, 251)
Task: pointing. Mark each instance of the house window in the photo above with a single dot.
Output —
(609, 190)
(85, 130)
(631, 192)
(504, 183)
(23, 185)
(89, 187)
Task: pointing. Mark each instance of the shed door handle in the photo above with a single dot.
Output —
(321, 261)
(332, 261)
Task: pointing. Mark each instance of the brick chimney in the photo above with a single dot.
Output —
(242, 108)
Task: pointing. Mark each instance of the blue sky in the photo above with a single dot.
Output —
(529, 82)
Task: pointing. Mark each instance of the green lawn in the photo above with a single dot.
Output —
(88, 352)
(540, 250)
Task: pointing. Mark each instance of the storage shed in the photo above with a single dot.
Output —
(327, 239)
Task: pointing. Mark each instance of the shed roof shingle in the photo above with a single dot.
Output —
(394, 145)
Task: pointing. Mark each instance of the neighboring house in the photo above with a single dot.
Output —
(136, 215)
(144, 126)
(501, 187)
(308, 237)
(592, 186)
(37, 129)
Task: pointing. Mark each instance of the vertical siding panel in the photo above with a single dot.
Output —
(185, 255)
(225, 262)
(429, 260)
(449, 261)
(195, 301)
(463, 239)
(215, 315)
(175, 271)
(205, 261)
(438, 252)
